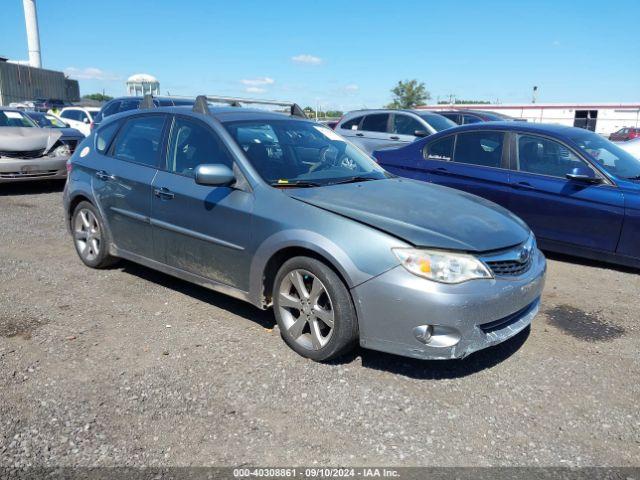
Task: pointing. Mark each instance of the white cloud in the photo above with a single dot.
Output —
(258, 81)
(352, 87)
(306, 58)
(90, 73)
(255, 90)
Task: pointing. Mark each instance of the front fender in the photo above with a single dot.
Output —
(309, 240)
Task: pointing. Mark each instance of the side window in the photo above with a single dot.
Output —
(351, 124)
(192, 144)
(111, 108)
(545, 157)
(470, 119)
(140, 139)
(405, 125)
(454, 117)
(440, 149)
(82, 116)
(127, 105)
(376, 122)
(479, 148)
(69, 115)
(104, 136)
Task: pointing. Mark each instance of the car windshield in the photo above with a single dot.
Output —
(10, 118)
(438, 122)
(608, 155)
(302, 154)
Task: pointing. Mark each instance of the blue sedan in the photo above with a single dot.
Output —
(578, 192)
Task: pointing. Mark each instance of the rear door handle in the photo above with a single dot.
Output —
(441, 169)
(102, 175)
(359, 134)
(393, 137)
(163, 193)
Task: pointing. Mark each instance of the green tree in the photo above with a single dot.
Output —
(98, 97)
(409, 94)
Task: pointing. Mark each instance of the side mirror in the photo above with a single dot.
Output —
(85, 120)
(214, 175)
(583, 175)
(420, 133)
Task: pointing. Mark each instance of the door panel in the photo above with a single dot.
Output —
(123, 191)
(201, 229)
(475, 166)
(403, 129)
(559, 209)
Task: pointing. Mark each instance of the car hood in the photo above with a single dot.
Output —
(422, 214)
(25, 139)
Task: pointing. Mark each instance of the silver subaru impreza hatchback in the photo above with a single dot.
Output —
(282, 212)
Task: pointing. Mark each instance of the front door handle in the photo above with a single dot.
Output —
(441, 169)
(359, 134)
(394, 137)
(163, 193)
(525, 185)
(102, 175)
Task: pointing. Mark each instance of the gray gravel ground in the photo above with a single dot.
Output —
(131, 367)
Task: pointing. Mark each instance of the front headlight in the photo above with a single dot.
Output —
(61, 151)
(441, 266)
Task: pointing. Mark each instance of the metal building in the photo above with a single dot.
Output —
(19, 83)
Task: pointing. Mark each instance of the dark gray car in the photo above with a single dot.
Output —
(280, 211)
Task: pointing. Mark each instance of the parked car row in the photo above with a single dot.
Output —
(287, 213)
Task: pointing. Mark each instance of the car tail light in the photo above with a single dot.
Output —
(634, 134)
(69, 166)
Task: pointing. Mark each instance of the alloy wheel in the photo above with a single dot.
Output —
(306, 309)
(86, 232)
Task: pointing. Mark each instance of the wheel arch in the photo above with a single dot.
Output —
(275, 251)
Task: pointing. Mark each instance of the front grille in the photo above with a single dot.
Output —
(28, 174)
(508, 320)
(510, 268)
(23, 154)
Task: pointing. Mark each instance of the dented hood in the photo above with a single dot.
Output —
(25, 139)
(422, 214)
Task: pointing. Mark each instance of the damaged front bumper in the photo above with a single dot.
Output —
(407, 315)
(42, 168)
(29, 153)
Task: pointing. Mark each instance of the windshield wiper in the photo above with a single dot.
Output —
(297, 183)
(354, 180)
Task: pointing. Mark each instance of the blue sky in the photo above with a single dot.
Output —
(342, 54)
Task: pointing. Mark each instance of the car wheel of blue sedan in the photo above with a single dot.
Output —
(314, 309)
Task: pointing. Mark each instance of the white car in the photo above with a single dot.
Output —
(632, 146)
(79, 118)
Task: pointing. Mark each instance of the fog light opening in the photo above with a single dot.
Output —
(423, 333)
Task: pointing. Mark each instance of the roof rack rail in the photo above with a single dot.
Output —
(202, 102)
(147, 102)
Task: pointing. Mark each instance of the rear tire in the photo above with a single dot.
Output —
(314, 310)
(90, 236)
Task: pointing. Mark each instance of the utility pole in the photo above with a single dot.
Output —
(33, 36)
(535, 94)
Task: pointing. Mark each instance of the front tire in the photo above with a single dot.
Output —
(314, 310)
(90, 236)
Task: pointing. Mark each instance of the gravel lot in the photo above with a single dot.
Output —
(131, 367)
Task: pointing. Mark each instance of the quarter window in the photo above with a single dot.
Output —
(479, 148)
(440, 149)
(545, 157)
(105, 135)
(140, 139)
(376, 122)
(193, 144)
(405, 125)
(351, 124)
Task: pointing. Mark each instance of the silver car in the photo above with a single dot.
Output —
(282, 212)
(29, 152)
(378, 129)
